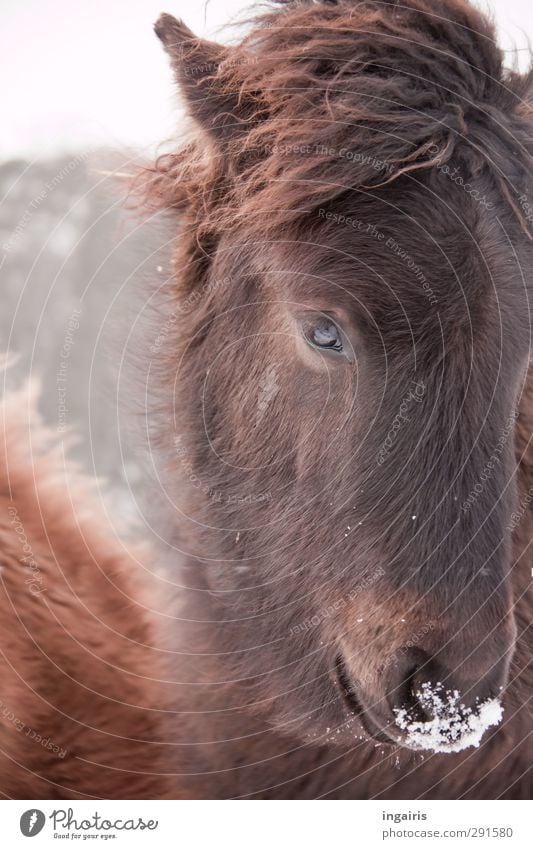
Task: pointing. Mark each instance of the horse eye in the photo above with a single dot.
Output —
(321, 332)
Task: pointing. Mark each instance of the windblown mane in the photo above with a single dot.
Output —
(322, 98)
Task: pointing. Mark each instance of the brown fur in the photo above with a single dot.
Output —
(260, 707)
(78, 669)
(419, 87)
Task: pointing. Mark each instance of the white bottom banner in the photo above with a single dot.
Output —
(282, 824)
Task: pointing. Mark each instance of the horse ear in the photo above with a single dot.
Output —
(195, 62)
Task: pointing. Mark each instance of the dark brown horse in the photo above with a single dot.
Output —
(339, 388)
(343, 417)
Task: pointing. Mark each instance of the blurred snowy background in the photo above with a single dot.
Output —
(87, 91)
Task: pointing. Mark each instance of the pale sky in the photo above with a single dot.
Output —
(82, 73)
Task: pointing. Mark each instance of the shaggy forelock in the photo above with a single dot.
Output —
(338, 95)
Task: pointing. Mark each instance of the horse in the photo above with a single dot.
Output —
(340, 413)
(80, 703)
(343, 405)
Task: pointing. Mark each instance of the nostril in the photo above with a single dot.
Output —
(408, 697)
(403, 682)
(431, 716)
(429, 712)
(413, 702)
